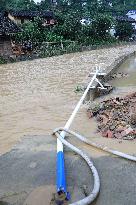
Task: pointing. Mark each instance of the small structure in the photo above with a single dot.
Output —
(7, 30)
(125, 19)
(23, 16)
(85, 21)
(132, 14)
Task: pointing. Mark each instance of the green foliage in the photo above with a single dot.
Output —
(68, 14)
(92, 7)
(124, 30)
(25, 5)
(68, 25)
(123, 5)
(79, 88)
(3, 5)
(18, 5)
(2, 61)
(56, 49)
(97, 32)
(45, 5)
(52, 37)
(101, 26)
(30, 31)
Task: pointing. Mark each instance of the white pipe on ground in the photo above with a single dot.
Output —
(92, 196)
(61, 179)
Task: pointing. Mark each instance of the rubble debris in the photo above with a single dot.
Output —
(119, 75)
(116, 117)
(100, 92)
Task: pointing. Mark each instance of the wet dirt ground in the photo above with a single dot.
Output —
(35, 98)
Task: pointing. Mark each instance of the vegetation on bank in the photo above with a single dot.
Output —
(68, 35)
(2, 61)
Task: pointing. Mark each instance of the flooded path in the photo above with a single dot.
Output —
(38, 96)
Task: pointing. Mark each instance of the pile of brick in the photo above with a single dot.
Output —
(116, 117)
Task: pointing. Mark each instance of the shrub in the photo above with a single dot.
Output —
(124, 30)
(2, 60)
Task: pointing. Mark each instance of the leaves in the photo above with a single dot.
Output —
(124, 30)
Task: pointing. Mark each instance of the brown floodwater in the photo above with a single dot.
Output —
(38, 96)
(128, 82)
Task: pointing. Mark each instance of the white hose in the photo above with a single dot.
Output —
(96, 145)
(92, 196)
(61, 140)
(89, 199)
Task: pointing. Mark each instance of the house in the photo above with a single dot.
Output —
(125, 19)
(7, 30)
(23, 16)
(132, 14)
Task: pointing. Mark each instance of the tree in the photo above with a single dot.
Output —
(25, 5)
(68, 25)
(45, 5)
(124, 30)
(122, 6)
(101, 26)
(3, 5)
(31, 31)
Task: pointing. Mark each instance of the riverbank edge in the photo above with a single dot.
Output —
(115, 65)
(113, 68)
(65, 52)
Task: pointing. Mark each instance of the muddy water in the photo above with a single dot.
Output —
(126, 83)
(38, 96)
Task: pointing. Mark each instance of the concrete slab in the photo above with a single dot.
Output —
(31, 164)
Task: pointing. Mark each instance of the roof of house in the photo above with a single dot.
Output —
(31, 14)
(7, 26)
(125, 18)
(131, 12)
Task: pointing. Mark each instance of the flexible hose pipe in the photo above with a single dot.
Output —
(96, 145)
(89, 199)
(92, 196)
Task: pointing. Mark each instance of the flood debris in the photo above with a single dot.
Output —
(116, 117)
(59, 199)
(100, 92)
(119, 75)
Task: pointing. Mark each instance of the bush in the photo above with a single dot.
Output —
(52, 50)
(31, 31)
(2, 60)
(101, 26)
(68, 25)
(124, 30)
